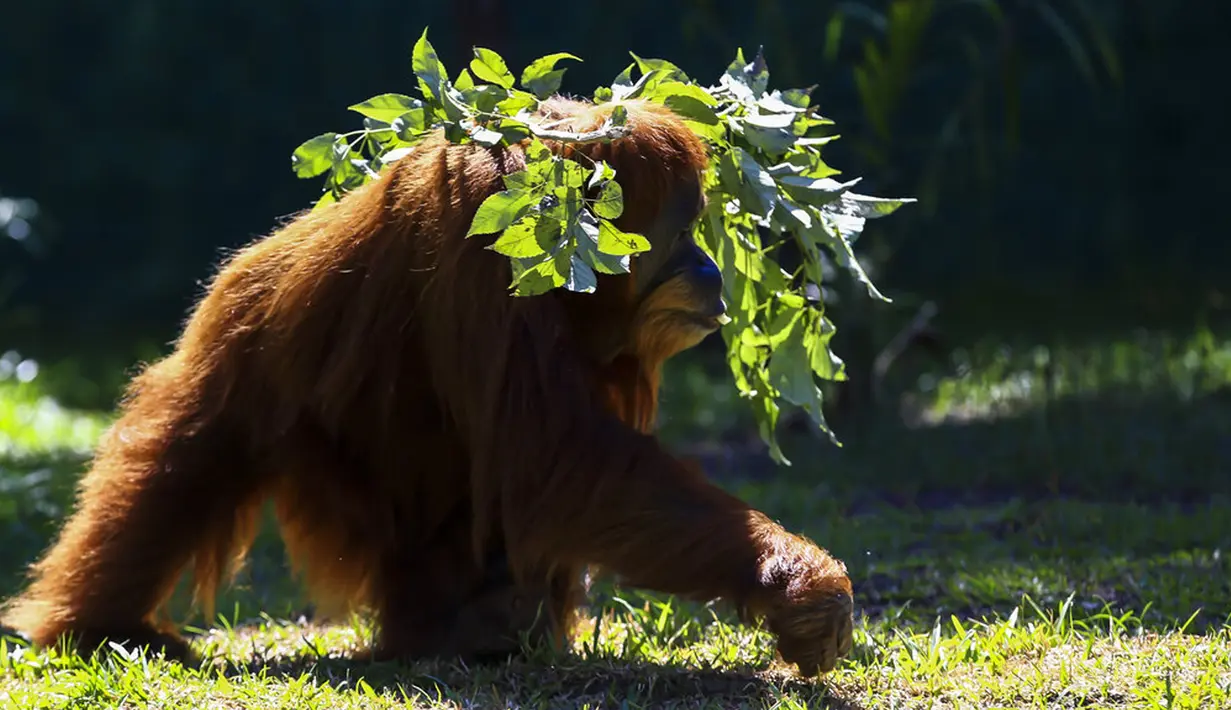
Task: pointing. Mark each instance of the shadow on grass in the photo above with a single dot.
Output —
(1114, 446)
(564, 682)
(1122, 498)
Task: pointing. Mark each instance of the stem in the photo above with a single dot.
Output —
(607, 134)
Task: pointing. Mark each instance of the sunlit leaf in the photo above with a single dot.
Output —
(610, 201)
(602, 173)
(314, 156)
(668, 70)
(428, 67)
(770, 120)
(484, 98)
(517, 102)
(544, 275)
(814, 191)
(581, 277)
(774, 141)
(869, 207)
(761, 188)
(521, 239)
(386, 107)
(541, 77)
(612, 240)
(500, 210)
(485, 136)
(490, 67)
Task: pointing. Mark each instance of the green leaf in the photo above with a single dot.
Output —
(538, 156)
(517, 102)
(736, 262)
(760, 191)
(490, 67)
(464, 82)
(796, 100)
(568, 173)
(521, 239)
(428, 67)
(610, 202)
(500, 210)
(623, 83)
(544, 275)
(539, 77)
(698, 116)
(792, 216)
(746, 253)
(790, 372)
(839, 237)
(551, 228)
(411, 124)
(806, 162)
(454, 103)
(378, 131)
(816, 142)
(348, 172)
(871, 207)
(746, 80)
(635, 90)
(485, 98)
(766, 411)
(324, 201)
(823, 361)
(581, 277)
(770, 120)
(386, 107)
(663, 90)
(616, 242)
(485, 136)
(713, 133)
(774, 141)
(514, 131)
(668, 70)
(314, 156)
(396, 154)
(814, 191)
(523, 181)
(602, 173)
(586, 232)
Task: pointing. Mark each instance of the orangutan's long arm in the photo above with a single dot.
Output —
(568, 481)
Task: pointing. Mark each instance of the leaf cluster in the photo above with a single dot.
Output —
(767, 186)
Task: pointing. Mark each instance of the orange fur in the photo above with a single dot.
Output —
(439, 452)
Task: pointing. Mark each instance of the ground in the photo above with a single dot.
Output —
(1050, 530)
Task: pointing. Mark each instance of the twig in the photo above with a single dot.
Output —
(605, 134)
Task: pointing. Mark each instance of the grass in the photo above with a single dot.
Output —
(1048, 529)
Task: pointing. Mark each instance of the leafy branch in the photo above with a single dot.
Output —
(767, 185)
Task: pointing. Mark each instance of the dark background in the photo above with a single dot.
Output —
(1066, 154)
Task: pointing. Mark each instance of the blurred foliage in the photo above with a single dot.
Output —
(978, 50)
(975, 51)
(18, 243)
